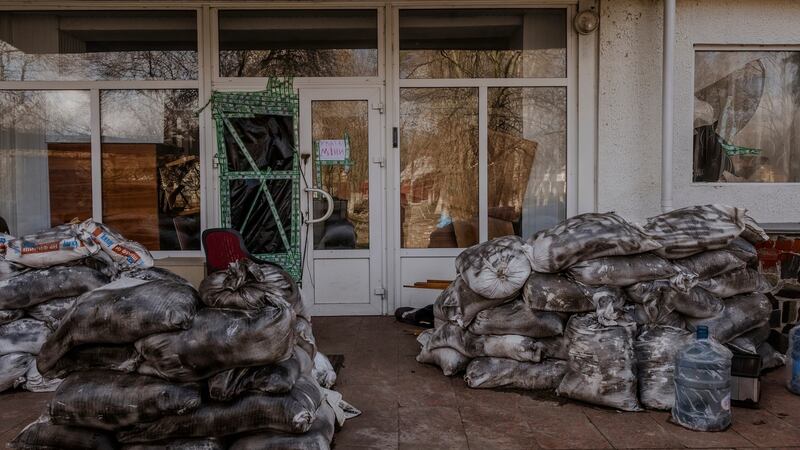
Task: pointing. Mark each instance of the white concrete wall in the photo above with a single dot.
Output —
(629, 136)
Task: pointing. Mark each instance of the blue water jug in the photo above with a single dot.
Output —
(703, 385)
(793, 360)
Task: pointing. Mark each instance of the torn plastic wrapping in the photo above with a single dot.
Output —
(687, 231)
(517, 318)
(741, 314)
(656, 348)
(488, 373)
(269, 139)
(496, 269)
(702, 386)
(622, 270)
(38, 286)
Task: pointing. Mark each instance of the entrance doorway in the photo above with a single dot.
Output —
(340, 139)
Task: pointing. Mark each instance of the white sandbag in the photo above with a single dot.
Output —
(23, 335)
(460, 304)
(741, 314)
(53, 247)
(622, 270)
(323, 371)
(740, 281)
(587, 236)
(484, 373)
(13, 368)
(497, 268)
(711, 263)
(52, 311)
(127, 254)
(517, 318)
(548, 292)
(687, 231)
(656, 348)
(519, 348)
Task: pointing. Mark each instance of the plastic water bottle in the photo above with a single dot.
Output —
(703, 385)
(793, 360)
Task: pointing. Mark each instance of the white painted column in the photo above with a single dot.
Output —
(667, 106)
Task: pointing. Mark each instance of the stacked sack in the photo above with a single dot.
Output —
(149, 362)
(41, 276)
(598, 308)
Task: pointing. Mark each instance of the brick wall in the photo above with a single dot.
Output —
(779, 259)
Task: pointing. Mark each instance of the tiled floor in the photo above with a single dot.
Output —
(411, 406)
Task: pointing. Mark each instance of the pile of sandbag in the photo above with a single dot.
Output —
(41, 277)
(597, 307)
(150, 362)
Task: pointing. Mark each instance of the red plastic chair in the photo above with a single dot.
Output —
(224, 246)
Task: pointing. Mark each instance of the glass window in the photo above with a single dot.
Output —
(439, 167)
(45, 159)
(527, 159)
(747, 116)
(299, 43)
(151, 166)
(483, 43)
(98, 45)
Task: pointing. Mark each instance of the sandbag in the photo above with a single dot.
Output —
(9, 269)
(750, 341)
(43, 434)
(653, 313)
(10, 315)
(318, 437)
(155, 274)
(496, 268)
(484, 373)
(460, 303)
(52, 311)
(546, 292)
(127, 254)
(305, 336)
(292, 413)
(37, 286)
(323, 371)
(13, 368)
(770, 358)
(23, 335)
(517, 318)
(745, 251)
(697, 303)
(120, 358)
(622, 270)
(180, 444)
(110, 401)
(687, 231)
(741, 314)
(449, 360)
(753, 231)
(275, 378)
(121, 316)
(602, 365)
(53, 247)
(36, 382)
(711, 263)
(220, 339)
(587, 236)
(656, 349)
(519, 348)
(737, 282)
(248, 285)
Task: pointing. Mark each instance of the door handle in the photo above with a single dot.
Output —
(327, 214)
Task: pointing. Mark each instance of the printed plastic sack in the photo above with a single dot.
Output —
(219, 339)
(121, 316)
(10, 315)
(461, 304)
(318, 437)
(695, 229)
(497, 268)
(113, 400)
(546, 292)
(38, 286)
(587, 236)
(52, 311)
(43, 434)
(656, 349)
(125, 253)
(737, 282)
(294, 412)
(275, 378)
(449, 360)
(484, 373)
(4, 240)
(120, 358)
(179, 444)
(56, 246)
(622, 270)
(711, 263)
(517, 318)
(741, 314)
(23, 335)
(248, 285)
(13, 368)
(323, 371)
(750, 341)
(602, 365)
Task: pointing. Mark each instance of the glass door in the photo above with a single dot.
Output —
(340, 139)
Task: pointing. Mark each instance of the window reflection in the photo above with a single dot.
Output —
(439, 167)
(151, 166)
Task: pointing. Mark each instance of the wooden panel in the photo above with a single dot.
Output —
(70, 182)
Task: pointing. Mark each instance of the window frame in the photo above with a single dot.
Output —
(93, 87)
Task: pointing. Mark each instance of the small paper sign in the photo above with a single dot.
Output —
(332, 150)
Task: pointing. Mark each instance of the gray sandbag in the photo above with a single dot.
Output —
(556, 293)
(737, 282)
(711, 263)
(750, 341)
(275, 378)
(461, 304)
(496, 268)
(294, 412)
(120, 358)
(318, 437)
(155, 274)
(517, 318)
(587, 236)
(485, 373)
(602, 365)
(52, 311)
(660, 295)
(43, 434)
(35, 382)
(23, 335)
(694, 229)
(120, 316)
(451, 361)
(220, 339)
(305, 336)
(656, 349)
(770, 358)
(609, 303)
(10, 315)
(13, 368)
(37, 286)
(753, 231)
(741, 314)
(622, 270)
(180, 444)
(520, 348)
(9, 269)
(745, 251)
(248, 285)
(652, 314)
(108, 400)
(323, 371)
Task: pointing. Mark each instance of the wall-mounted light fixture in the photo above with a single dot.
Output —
(586, 21)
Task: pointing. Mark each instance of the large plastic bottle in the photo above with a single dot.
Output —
(703, 385)
(793, 360)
